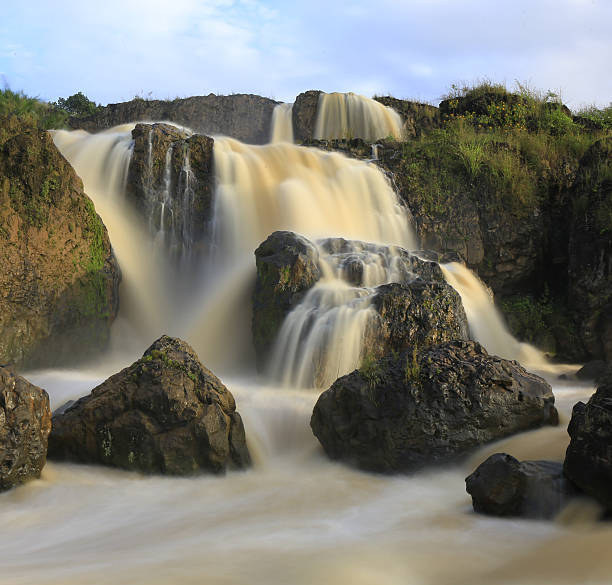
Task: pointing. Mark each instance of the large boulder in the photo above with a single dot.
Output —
(428, 406)
(25, 423)
(245, 117)
(58, 276)
(171, 183)
(287, 266)
(166, 413)
(505, 486)
(588, 460)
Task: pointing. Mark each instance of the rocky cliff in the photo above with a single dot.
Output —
(245, 117)
(58, 276)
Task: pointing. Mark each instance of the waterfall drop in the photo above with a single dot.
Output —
(282, 124)
(349, 115)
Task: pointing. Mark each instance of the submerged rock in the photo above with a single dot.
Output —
(428, 406)
(504, 486)
(166, 413)
(58, 276)
(25, 423)
(588, 460)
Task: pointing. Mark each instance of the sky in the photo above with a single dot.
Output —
(114, 50)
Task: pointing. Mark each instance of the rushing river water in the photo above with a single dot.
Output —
(295, 517)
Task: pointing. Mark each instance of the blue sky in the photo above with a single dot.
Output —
(113, 50)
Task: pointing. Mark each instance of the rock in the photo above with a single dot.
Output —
(588, 460)
(25, 423)
(416, 314)
(165, 413)
(422, 309)
(592, 370)
(418, 118)
(242, 116)
(504, 486)
(58, 276)
(171, 179)
(428, 406)
(287, 266)
(305, 115)
(590, 250)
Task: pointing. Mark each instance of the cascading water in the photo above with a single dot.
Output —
(349, 115)
(296, 517)
(282, 124)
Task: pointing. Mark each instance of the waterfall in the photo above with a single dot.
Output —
(349, 115)
(282, 124)
(486, 323)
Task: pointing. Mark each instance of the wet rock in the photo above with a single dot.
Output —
(58, 276)
(245, 117)
(504, 486)
(305, 115)
(25, 423)
(166, 413)
(287, 266)
(428, 406)
(418, 118)
(588, 460)
(592, 370)
(171, 183)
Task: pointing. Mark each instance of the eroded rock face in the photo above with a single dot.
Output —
(58, 276)
(590, 250)
(418, 118)
(305, 115)
(588, 460)
(171, 183)
(245, 117)
(504, 486)
(166, 413)
(428, 406)
(287, 266)
(25, 423)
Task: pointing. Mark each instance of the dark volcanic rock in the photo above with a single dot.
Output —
(590, 250)
(171, 180)
(165, 413)
(592, 370)
(245, 117)
(416, 314)
(305, 115)
(504, 486)
(25, 423)
(588, 460)
(58, 276)
(287, 266)
(428, 406)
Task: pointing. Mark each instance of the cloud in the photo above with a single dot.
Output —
(407, 48)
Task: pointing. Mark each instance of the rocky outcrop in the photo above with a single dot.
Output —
(428, 406)
(418, 118)
(171, 182)
(58, 276)
(165, 413)
(504, 486)
(25, 422)
(245, 117)
(287, 266)
(588, 460)
(419, 309)
(590, 250)
(305, 115)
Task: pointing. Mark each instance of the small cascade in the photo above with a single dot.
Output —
(159, 202)
(323, 337)
(282, 124)
(486, 323)
(349, 115)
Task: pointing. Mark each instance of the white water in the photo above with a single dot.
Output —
(349, 115)
(282, 123)
(295, 517)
